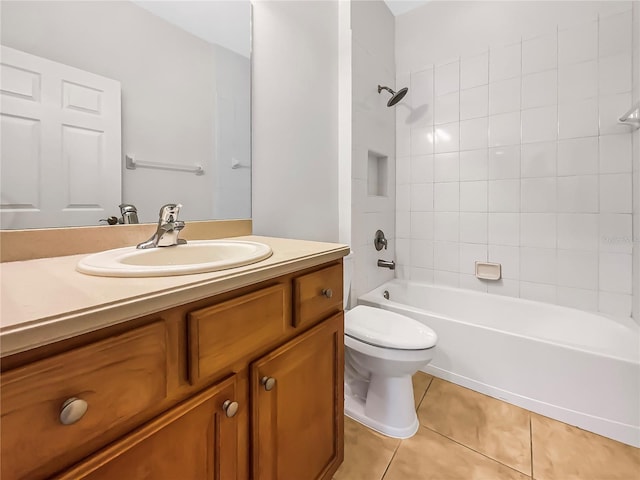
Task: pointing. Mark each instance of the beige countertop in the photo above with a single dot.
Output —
(47, 300)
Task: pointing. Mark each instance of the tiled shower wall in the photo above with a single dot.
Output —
(513, 154)
(373, 137)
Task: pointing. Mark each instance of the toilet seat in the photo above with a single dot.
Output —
(386, 329)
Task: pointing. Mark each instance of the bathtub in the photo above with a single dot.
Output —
(577, 367)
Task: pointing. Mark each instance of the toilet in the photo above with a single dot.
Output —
(383, 350)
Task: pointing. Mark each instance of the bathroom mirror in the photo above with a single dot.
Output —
(183, 71)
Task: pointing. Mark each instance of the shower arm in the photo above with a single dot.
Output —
(395, 96)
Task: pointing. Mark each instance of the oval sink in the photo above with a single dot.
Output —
(197, 256)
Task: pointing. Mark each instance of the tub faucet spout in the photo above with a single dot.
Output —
(391, 265)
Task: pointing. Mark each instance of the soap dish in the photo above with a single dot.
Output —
(488, 271)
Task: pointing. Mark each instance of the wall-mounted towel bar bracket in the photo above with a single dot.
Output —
(632, 117)
(132, 164)
(235, 164)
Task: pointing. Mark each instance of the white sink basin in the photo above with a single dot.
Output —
(197, 256)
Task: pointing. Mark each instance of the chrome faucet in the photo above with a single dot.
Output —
(129, 213)
(169, 228)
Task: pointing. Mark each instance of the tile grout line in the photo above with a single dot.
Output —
(531, 442)
(400, 442)
(424, 394)
(473, 450)
(484, 455)
(391, 460)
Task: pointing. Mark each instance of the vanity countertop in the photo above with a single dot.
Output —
(47, 300)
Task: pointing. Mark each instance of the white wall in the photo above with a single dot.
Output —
(509, 149)
(345, 96)
(295, 119)
(168, 105)
(636, 165)
(232, 186)
(373, 130)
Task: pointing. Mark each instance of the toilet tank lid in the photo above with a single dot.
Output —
(383, 328)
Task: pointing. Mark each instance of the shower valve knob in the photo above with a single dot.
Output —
(379, 240)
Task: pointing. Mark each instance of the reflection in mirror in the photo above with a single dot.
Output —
(87, 84)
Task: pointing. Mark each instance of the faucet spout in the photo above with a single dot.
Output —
(391, 265)
(169, 227)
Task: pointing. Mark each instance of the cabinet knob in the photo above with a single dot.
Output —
(73, 410)
(268, 382)
(327, 292)
(230, 408)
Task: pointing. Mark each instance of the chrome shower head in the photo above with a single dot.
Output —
(395, 96)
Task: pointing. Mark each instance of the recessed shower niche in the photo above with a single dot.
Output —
(377, 174)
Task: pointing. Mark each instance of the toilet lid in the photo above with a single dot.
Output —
(383, 328)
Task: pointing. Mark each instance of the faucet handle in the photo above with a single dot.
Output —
(127, 207)
(113, 220)
(169, 212)
(129, 213)
(380, 241)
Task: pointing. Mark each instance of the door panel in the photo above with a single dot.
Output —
(194, 440)
(297, 423)
(61, 143)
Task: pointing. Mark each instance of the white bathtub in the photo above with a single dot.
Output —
(574, 366)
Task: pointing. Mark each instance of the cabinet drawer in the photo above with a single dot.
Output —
(119, 378)
(194, 440)
(230, 331)
(317, 295)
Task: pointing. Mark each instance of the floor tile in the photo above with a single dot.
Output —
(494, 428)
(563, 452)
(430, 456)
(421, 382)
(366, 453)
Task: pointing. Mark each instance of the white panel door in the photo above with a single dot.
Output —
(60, 143)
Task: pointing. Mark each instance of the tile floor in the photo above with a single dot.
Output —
(465, 435)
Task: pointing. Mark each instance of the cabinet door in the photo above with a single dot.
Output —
(298, 421)
(194, 440)
(118, 379)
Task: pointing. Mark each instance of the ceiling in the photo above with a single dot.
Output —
(223, 22)
(227, 22)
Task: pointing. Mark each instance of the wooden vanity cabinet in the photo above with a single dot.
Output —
(297, 406)
(245, 384)
(195, 440)
(120, 379)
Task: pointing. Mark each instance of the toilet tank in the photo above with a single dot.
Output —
(347, 275)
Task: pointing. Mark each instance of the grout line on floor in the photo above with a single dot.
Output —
(474, 450)
(531, 442)
(391, 460)
(424, 394)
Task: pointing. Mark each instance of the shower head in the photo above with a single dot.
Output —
(395, 96)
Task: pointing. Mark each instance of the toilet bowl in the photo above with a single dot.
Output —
(383, 350)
